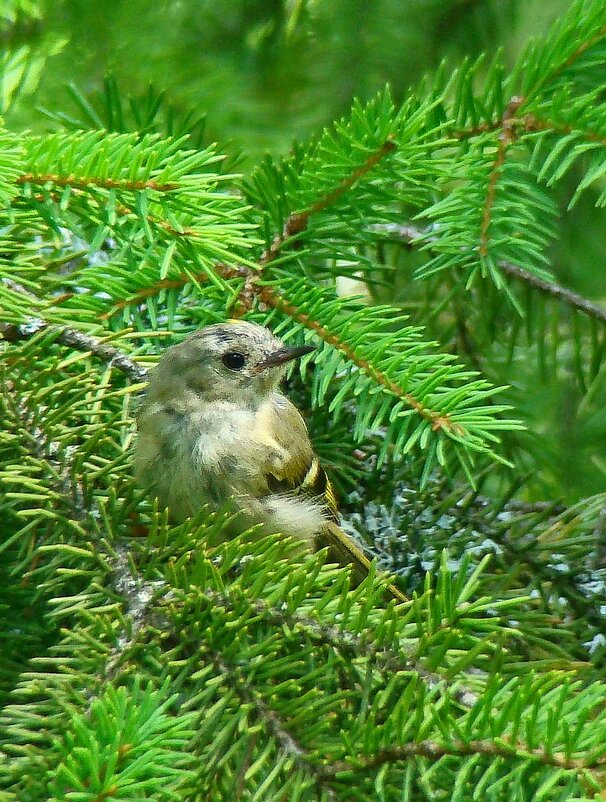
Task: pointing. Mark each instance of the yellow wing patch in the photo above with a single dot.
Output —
(316, 483)
(294, 466)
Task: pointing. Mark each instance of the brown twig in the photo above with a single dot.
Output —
(438, 421)
(298, 221)
(551, 288)
(81, 342)
(433, 750)
(272, 720)
(149, 292)
(506, 138)
(348, 643)
(13, 332)
(531, 122)
(411, 235)
(87, 183)
(476, 130)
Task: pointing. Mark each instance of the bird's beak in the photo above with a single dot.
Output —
(283, 355)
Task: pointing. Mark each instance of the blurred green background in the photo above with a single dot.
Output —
(264, 73)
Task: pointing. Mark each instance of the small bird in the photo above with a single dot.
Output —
(214, 426)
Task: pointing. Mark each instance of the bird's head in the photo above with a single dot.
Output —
(227, 361)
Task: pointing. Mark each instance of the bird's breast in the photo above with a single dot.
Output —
(222, 430)
(233, 447)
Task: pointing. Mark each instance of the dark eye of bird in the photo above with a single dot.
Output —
(233, 360)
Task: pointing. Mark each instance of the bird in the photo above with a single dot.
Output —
(215, 429)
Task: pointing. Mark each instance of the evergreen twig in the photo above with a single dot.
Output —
(412, 236)
(434, 750)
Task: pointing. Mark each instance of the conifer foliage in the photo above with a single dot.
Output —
(143, 660)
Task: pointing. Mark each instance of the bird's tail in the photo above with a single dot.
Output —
(344, 551)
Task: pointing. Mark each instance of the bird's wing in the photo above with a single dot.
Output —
(294, 467)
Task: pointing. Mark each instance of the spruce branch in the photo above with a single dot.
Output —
(506, 138)
(434, 750)
(72, 338)
(350, 644)
(413, 236)
(497, 209)
(145, 206)
(87, 183)
(574, 35)
(275, 724)
(297, 222)
(128, 744)
(438, 421)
